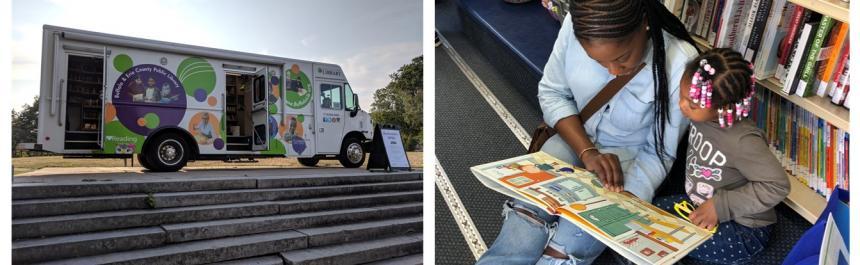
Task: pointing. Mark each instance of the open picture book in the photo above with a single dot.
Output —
(634, 228)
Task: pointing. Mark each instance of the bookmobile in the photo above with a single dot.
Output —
(110, 96)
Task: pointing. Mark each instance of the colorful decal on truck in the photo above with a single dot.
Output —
(153, 95)
(206, 129)
(293, 132)
(198, 78)
(297, 88)
(274, 91)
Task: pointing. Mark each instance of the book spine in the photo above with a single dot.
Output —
(775, 30)
(756, 32)
(787, 42)
(704, 10)
(715, 23)
(840, 67)
(830, 56)
(727, 23)
(842, 78)
(748, 19)
(797, 62)
(804, 85)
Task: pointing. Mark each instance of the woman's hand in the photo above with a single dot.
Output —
(607, 167)
(705, 216)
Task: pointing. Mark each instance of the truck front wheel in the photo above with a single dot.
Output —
(351, 153)
(167, 153)
(309, 161)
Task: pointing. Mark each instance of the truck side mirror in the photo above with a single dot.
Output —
(355, 108)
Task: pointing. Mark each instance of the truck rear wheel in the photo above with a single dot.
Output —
(309, 161)
(351, 153)
(141, 159)
(167, 153)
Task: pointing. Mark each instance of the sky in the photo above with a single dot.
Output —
(369, 39)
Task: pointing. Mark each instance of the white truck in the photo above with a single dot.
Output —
(106, 95)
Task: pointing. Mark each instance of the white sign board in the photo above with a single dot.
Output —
(394, 149)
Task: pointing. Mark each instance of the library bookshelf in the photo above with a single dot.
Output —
(802, 199)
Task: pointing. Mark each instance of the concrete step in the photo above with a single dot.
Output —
(201, 252)
(78, 189)
(67, 246)
(415, 259)
(73, 205)
(76, 205)
(60, 247)
(251, 225)
(178, 199)
(332, 235)
(264, 260)
(349, 201)
(305, 181)
(356, 252)
(317, 236)
(92, 222)
(99, 188)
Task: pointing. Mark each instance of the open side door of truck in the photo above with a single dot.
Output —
(259, 109)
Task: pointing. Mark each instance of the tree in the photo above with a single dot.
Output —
(25, 123)
(401, 102)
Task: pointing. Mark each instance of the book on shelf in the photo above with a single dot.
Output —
(832, 54)
(798, 17)
(730, 21)
(841, 66)
(633, 228)
(775, 30)
(801, 49)
(714, 25)
(707, 9)
(841, 91)
(812, 57)
(754, 31)
(810, 148)
(691, 14)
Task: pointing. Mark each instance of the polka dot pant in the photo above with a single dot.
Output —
(732, 244)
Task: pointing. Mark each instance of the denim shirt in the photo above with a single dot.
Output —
(626, 123)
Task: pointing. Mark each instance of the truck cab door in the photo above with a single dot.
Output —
(329, 117)
(259, 112)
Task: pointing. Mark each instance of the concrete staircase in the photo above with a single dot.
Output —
(354, 218)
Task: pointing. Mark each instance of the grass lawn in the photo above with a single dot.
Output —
(28, 164)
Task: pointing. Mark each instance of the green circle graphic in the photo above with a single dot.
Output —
(122, 63)
(196, 73)
(152, 120)
(293, 99)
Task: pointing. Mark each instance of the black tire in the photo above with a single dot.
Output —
(309, 161)
(167, 153)
(351, 153)
(141, 159)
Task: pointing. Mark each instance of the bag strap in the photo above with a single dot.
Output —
(606, 94)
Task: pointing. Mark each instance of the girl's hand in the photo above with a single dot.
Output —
(705, 216)
(607, 167)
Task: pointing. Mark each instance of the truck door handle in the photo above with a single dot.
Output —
(61, 99)
(322, 130)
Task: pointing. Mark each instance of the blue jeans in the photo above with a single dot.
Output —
(732, 244)
(522, 239)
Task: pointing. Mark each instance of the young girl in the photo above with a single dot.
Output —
(732, 179)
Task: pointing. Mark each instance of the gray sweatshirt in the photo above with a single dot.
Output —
(736, 168)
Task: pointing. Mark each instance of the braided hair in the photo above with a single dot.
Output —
(619, 19)
(732, 80)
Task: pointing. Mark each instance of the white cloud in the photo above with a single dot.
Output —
(309, 40)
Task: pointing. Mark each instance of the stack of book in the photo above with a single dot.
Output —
(804, 52)
(811, 149)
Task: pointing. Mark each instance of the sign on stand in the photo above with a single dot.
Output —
(387, 152)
